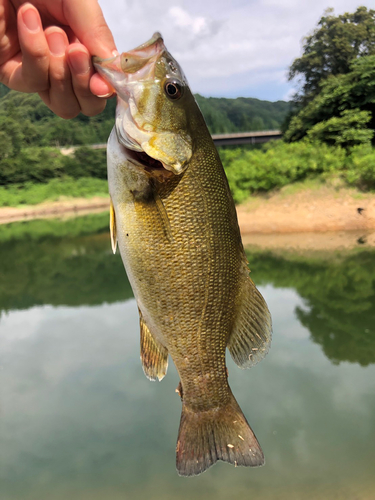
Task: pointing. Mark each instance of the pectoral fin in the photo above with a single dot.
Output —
(251, 336)
(112, 227)
(154, 355)
(164, 217)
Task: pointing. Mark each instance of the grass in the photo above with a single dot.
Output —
(57, 189)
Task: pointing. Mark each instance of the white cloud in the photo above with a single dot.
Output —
(228, 48)
(184, 20)
(289, 95)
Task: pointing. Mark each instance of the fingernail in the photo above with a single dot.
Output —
(56, 43)
(105, 96)
(79, 61)
(31, 20)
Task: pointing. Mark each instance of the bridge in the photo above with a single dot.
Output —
(246, 137)
(233, 139)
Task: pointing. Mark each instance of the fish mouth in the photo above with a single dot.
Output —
(154, 168)
(123, 72)
(131, 67)
(130, 74)
(132, 147)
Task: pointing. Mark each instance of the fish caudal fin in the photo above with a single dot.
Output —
(251, 336)
(217, 434)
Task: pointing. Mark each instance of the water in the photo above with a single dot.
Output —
(80, 420)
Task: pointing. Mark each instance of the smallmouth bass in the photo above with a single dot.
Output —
(174, 220)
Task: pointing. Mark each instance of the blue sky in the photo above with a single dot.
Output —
(227, 48)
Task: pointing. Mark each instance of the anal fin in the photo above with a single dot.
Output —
(112, 227)
(154, 355)
(251, 335)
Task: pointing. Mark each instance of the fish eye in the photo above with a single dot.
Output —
(173, 89)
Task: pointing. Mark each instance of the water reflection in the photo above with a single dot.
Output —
(59, 263)
(70, 263)
(80, 420)
(339, 293)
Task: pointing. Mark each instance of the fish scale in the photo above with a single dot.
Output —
(176, 226)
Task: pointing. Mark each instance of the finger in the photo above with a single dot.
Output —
(35, 52)
(81, 69)
(60, 98)
(87, 21)
(8, 32)
(100, 87)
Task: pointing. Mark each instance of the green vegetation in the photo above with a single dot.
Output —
(29, 122)
(26, 121)
(336, 100)
(343, 111)
(33, 169)
(30, 193)
(278, 164)
(331, 49)
(242, 114)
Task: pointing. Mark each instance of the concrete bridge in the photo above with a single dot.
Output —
(246, 137)
(233, 139)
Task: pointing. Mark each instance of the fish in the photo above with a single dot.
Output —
(174, 221)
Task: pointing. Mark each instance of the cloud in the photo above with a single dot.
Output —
(289, 95)
(230, 47)
(184, 20)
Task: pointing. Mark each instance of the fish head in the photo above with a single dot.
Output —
(152, 103)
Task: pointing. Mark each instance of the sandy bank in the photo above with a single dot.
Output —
(55, 209)
(320, 218)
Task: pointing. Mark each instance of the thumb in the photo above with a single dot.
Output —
(87, 21)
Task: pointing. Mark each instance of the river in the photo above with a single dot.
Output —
(79, 419)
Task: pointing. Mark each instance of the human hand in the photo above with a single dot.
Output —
(46, 47)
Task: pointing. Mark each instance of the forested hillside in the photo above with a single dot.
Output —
(26, 121)
(241, 114)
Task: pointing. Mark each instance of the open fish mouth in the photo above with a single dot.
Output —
(131, 67)
(125, 71)
(151, 166)
(132, 148)
(138, 76)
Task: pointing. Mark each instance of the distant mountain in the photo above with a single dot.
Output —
(27, 115)
(242, 114)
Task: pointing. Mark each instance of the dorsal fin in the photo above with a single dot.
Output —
(251, 335)
(154, 355)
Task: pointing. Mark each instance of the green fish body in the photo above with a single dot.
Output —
(174, 220)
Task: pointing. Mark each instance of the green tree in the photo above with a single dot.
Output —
(350, 98)
(331, 48)
(350, 129)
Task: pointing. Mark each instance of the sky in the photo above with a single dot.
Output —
(227, 48)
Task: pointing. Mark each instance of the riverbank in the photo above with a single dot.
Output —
(296, 213)
(54, 209)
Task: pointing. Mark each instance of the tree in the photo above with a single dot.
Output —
(344, 102)
(331, 48)
(350, 129)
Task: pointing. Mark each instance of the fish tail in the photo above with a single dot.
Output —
(216, 434)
